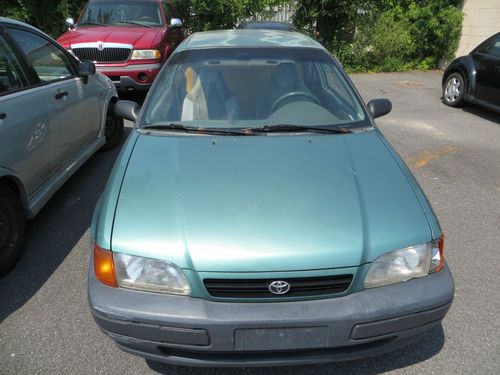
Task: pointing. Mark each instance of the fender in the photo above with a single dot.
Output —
(12, 177)
(465, 66)
(108, 95)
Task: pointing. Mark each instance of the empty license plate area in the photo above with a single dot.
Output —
(281, 338)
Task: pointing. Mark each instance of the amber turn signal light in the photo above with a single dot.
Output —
(104, 267)
(441, 253)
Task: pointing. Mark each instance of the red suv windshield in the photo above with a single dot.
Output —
(123, 13)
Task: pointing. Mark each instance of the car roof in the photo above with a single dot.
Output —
(248, 38)
(274, 25)
(15, 22)
(10, 21)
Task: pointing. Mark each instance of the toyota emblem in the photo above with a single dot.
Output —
(279, 287)
(100, 46)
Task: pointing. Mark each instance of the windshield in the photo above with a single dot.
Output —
(252, 88)
(123, 13)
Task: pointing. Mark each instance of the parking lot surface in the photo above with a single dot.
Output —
(46, 327)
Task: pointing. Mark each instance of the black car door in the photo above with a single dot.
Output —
(486, 59)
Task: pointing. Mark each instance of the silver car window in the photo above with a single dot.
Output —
(12, 76)
(49, 62)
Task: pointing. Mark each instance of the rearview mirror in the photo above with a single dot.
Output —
(127, 110)
(175, 22)
(379, 107)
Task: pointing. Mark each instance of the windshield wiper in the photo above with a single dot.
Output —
(195, 129)
(135, 23)
(93, 23)
(287, 128)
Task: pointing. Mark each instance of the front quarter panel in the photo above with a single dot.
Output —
(465, 66)
(422, 199)
(107, 93)
(102, 221)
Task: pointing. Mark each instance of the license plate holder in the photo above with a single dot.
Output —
(281, 338)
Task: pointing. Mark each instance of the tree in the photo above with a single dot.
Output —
(203, 15)
(46, 15)
(332, 19)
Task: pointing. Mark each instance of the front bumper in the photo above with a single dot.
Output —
(197, 332)
(131, 77)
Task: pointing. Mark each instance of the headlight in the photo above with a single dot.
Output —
(149, 275)
(402, 265)
(146, 54)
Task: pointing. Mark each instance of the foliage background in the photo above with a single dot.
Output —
(366, 35)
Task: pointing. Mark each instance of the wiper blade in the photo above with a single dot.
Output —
(287, 128)
(93, 23)
(194, 129)
(135, 23)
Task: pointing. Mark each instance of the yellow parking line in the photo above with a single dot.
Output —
(423, 158)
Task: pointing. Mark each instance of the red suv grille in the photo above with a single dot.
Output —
(106, 55)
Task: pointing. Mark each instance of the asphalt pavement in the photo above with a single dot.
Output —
(46, 327)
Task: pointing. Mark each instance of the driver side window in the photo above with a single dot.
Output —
(11, 75)
(492, 48)
(49, 62)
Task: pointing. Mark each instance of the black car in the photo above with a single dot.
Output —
(475, 78)
(270, 25)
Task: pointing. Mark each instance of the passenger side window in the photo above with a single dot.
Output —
(335, 83)
(12, 76)
(49, 62)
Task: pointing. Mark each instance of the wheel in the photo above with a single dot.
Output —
(454, 90)
(113, 130)
(12, 224)
(294, 95)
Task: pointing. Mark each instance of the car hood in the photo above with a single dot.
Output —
(139, 37)
(260, 204)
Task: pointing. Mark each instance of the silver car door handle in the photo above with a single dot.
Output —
(61, 95)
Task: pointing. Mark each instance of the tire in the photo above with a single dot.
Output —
(454, 90)
(113, 130)
(12, 225)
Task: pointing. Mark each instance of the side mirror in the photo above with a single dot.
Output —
(127, 110)
(86, 68)
(379, 107)
(175, 22)
(70, 22)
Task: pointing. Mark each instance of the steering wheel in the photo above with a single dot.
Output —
(146, 18)
(294, 94)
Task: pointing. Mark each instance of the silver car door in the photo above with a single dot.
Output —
(75, 104)
(24, 121)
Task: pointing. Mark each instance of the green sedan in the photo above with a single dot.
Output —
(257, 217)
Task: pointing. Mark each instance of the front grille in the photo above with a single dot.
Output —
(259, 288)
(108, 54)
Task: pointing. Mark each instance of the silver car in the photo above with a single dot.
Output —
(55, 112)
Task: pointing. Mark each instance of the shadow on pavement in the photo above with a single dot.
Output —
(483, 113)
(53, 233)
(422, 350)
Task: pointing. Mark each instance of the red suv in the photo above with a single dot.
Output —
(128, 40)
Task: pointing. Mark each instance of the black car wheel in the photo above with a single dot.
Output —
(113, 130)
(454, 90)
(12, 223)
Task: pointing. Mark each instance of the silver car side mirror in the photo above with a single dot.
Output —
(175, 22)
(127, 109)
(70, 22)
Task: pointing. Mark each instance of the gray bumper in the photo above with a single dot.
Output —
(127, 84)
(197, 332)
